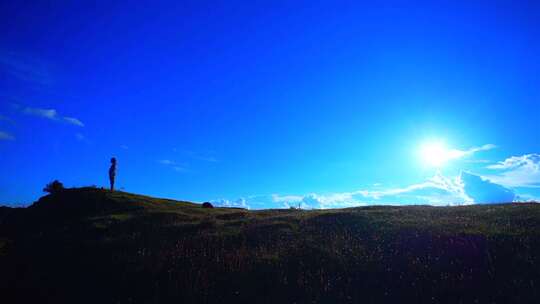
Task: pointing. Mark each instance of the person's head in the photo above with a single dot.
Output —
(113, 160)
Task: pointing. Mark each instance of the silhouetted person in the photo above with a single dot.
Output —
(112, 172)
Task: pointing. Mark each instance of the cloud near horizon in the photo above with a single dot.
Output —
(465, 189)
(239, 203)
(52, 114)
(517, 171)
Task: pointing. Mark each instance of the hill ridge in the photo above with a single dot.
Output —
(89, 245)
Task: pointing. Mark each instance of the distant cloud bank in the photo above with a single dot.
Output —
(499, 186)
(465, 189)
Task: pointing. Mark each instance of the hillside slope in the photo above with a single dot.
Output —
(89, 245)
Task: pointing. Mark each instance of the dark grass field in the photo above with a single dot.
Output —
(92, 246)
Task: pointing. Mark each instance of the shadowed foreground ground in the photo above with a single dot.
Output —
(91, 246)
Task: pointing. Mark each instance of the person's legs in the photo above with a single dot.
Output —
(112, 183)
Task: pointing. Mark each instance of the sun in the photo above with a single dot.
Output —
(435, 154)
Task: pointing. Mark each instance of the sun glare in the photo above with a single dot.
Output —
(435, 154)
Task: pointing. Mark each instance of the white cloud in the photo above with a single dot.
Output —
(45, 113)
(286, 198)
(467, 188)
(73, 121)
(455, 153)
(438, 190)
(436, 153)
(239, 203)
(52, 114)
(517, 161)
(321, 201)
(316, 201)
(517, 171)
(6, 136)
(528, 198)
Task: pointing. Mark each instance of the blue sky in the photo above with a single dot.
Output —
(272, 104)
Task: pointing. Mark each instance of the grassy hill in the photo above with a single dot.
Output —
(89, 245)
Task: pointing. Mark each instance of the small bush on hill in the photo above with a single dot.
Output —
(53, 187)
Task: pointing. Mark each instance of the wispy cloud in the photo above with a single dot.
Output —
(73, 121)
(435, 153)
(5, 118)
(456, 153)
(202, 156)
(452, 154)
(517, 171)
(26, 68)
(45, 113)
(517, 161)
(206, 158)
(82, 138)
(481, 148)
(174, 165)
(6, 136)
(166, 162)
(479, 161)
(52, 114)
